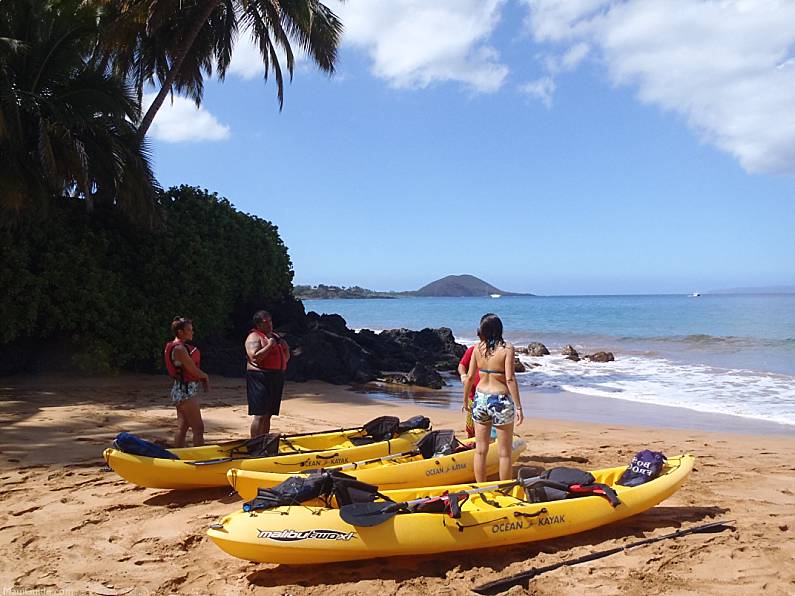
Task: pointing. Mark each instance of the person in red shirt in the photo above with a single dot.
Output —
(266, 360)
(182, 361)
(463, 367)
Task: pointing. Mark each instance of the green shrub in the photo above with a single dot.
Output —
(112, 287)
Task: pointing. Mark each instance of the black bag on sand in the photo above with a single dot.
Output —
(645, 466)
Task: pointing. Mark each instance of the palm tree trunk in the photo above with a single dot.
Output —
(176, 65)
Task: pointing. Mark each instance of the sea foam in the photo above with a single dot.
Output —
(739, 392)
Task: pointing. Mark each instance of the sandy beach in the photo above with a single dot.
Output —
(69, 526)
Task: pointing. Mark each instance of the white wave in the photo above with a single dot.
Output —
(658, 381)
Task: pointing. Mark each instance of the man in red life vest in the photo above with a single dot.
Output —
(266, 360)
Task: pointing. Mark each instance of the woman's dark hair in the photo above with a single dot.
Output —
(260, 316)
(490, 332)
(179, 323)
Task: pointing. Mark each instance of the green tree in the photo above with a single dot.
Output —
(174, 44)
(66, 124)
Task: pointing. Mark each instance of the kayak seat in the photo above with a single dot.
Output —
(261, 446)
(384, 428)
(438, 443)
(563, 483)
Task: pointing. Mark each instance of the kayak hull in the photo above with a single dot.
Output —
(302, 535)
(297, 454)
(402, 473)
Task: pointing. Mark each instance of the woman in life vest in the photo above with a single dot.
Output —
(497, 399)
(266, 360)
(182, 363)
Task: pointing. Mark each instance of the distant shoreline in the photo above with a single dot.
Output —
(392, 296)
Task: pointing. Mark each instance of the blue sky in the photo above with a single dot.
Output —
(545, 146)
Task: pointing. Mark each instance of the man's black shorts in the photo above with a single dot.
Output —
(264, 392)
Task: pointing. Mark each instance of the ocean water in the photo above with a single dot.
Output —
(720, 354)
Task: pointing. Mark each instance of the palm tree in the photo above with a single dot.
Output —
(66, 124)
(175, 43)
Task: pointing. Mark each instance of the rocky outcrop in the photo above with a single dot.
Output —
(518, 365)
(570, 353)
(537, 349)
(324, 348)
(600, 357)
(425, 376)
(402, 349)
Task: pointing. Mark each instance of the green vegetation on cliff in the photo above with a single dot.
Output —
(322, 291)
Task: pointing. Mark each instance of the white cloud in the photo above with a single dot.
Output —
(414, 43)
(542, 89)
(246, 59)
(247, 62)
(572, 58)
(726, 66)
(182, 121)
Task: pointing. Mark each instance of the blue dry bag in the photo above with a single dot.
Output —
(129, 443)
(645, 466)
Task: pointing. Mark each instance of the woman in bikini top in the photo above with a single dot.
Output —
(497, 401)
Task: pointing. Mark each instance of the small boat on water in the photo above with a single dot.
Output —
(495, 295)
(695, 295)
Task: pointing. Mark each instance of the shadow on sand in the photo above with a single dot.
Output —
(180, 498)
(405, 568)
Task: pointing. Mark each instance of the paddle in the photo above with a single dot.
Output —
(501, 585)
(366, 515)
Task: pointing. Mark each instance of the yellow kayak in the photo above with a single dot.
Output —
(199, 467)
(310, 535)
(409, 470)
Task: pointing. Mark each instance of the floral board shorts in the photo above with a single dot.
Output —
(493, 408)
(183, 391)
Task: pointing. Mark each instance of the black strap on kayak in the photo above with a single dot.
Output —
(522, 579)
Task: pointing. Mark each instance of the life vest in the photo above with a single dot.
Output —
(177, 372)
(274, 359)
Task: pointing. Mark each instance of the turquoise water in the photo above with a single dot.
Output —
(728, 354)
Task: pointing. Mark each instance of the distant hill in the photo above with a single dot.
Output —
(756, 290)
(460, 286)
